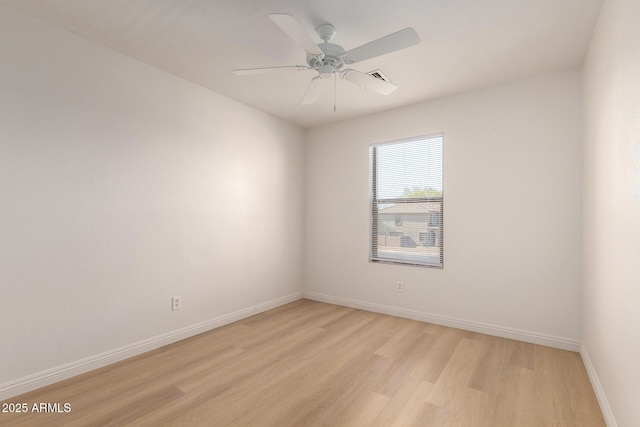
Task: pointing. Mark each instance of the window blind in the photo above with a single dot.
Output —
(407, 203)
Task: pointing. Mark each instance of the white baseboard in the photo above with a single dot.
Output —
(468, 325)
(607, 413)
(59, 373)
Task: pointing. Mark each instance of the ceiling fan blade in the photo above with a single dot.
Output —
(387, 44)
(368, 82)
(251, 71)
(292, 27)
(313, 91)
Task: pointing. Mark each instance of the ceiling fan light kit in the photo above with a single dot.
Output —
(328, 59)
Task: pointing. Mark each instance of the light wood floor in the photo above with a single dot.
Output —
(314, 364)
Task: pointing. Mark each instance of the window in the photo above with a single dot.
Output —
(407, 201)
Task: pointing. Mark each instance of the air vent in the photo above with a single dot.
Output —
(378, 75)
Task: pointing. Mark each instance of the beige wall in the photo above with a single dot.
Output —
(512, 212)
(121, 186)
(611, 320)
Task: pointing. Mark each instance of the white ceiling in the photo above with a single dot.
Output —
(465, 44)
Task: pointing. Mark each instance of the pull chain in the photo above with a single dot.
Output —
(335, 91)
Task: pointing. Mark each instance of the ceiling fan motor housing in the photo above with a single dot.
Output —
(332, 60)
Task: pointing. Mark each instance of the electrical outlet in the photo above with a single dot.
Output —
(399, 287)
(176, 303)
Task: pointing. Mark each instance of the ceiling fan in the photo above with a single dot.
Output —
(328, 59)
